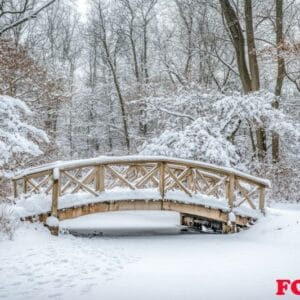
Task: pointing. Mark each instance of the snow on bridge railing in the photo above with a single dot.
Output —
(139, 172)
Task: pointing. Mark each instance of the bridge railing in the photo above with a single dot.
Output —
(137, 172)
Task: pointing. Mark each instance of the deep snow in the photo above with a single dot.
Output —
(244, 266)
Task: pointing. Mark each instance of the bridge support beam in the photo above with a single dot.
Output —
(181, 221)
(54, 230)
(55, 194)
(53, 225)
(229, 228)
(201, 224)
(53, 222)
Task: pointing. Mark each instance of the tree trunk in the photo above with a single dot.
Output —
(261, 143)
(254, 73)
(253, 65)
(249, 77)
(238, 41)
(134, 56)
(145, 56)
(111, 61)
(122, 105)
(280, 73)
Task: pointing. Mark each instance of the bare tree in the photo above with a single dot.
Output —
(280, 72)
(24, 12)
(129, 29)
(110, 44)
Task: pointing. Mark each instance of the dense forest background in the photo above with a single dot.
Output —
(217, 81)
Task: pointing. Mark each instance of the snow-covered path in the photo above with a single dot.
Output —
(192, 266)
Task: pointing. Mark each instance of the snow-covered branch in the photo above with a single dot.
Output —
(17, 137)
(28, 17)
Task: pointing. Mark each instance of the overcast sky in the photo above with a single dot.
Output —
(82, 6)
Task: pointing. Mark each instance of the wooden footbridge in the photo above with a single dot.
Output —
(223, 198)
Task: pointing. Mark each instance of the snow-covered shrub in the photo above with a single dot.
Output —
(17, 136)
(18, 139)
(198, 141)
(8, 222)
(254, 109)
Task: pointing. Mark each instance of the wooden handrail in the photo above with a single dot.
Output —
(137, 172)
(103, 160)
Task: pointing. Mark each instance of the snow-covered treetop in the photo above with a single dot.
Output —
(255, 108)
(17, 137)
(211, 123)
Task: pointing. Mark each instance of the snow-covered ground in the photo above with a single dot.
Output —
(142, 265)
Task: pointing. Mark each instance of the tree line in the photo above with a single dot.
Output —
(127, 76)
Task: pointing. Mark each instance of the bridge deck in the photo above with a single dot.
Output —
(41, 204)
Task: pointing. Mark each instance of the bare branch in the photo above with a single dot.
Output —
(27, 18)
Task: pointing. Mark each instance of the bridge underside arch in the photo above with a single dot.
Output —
(185, 209)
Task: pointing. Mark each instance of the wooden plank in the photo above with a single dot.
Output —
(197, 186)
(214, 188)
(44, 181)
(69, 182)
(203, 178)
(39, 174)
(162, 180)
(55, 194)
(100, 178)
(249, 195)
(190, 181)
(180, 177)
(180, 185)
(86, 180)
(193, 179)
(146, 177)
(130, 173)
(35, 185)
(262, 199)
(152, 178)
(80, 183)
(116, 174)
(245, 194)
(204, 174)
(230, 186)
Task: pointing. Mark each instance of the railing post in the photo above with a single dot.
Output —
(99, 179)
(230, 191)
(262, 199)
(162, 180)
(55, 192)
